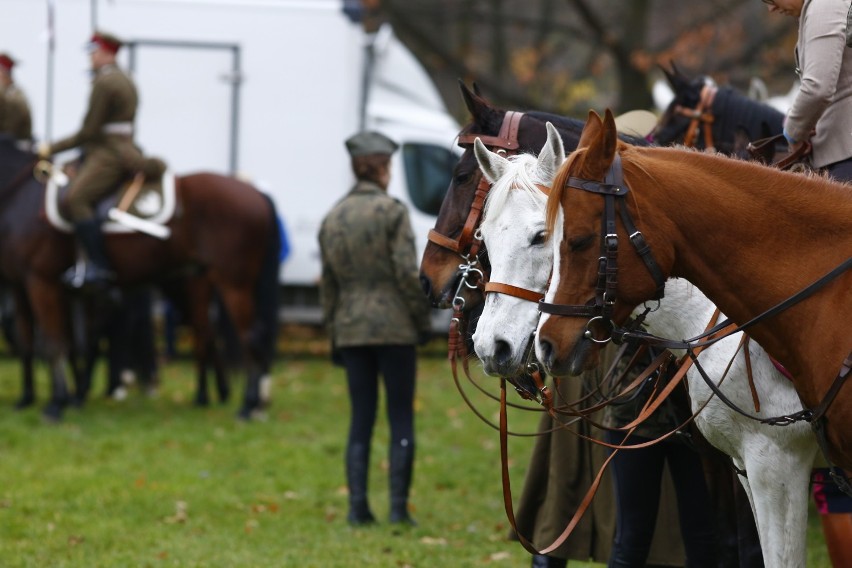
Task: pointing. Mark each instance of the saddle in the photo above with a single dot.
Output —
(143, 203)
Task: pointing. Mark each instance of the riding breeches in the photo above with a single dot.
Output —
(637, 475)
(101, 172)
(397, 366)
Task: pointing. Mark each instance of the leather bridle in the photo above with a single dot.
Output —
(700, 118)
(600, 307)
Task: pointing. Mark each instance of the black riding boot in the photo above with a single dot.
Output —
(401, 466)
(97, 270)
(357, 467)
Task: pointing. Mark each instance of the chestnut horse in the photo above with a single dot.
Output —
(748, 236)
(224, 232)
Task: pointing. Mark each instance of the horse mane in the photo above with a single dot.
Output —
(558, 187)
(522, 174)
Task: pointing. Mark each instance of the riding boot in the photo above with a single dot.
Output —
(401, 466)
(357, 468)
(97, 270)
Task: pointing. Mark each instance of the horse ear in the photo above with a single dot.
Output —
(474, 103)
(670, 75)
(591, 130)
(602, 138)
(493, 165)
(553, 153)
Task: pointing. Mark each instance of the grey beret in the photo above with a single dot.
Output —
(368, 142)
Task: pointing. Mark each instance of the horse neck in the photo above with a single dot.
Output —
(684, 312)
(750, 237)
(732, 109)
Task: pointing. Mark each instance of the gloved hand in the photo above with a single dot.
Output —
(44, 150)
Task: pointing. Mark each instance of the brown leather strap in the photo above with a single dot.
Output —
(744, 344)
(700, 114)
(443, 241)
(507, 139)
(509, 290)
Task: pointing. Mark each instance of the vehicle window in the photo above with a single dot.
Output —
(428, 171)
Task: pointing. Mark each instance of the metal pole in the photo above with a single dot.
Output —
(94, 14)
(235, 106)
(51, 49)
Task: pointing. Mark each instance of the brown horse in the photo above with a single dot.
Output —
(748, 236)
(224, 231)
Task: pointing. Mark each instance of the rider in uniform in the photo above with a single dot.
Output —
(15, 119)
(109, 152)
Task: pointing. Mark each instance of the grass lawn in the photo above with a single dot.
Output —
(157, 482)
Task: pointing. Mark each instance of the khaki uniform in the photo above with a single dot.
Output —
(15, 118)
(370, 290)
(106, 138)
(561, 469)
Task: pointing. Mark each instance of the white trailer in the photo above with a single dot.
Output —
(268, 89)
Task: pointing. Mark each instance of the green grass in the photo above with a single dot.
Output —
(157, 482)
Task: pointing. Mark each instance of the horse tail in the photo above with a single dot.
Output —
(266, 294)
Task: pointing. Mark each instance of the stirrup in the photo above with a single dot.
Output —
(85, 274)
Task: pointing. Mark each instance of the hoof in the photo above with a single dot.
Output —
(52, 413)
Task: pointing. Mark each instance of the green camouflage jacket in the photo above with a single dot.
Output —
(370, 290)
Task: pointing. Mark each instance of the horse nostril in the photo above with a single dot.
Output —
(502, 352)
(426, 284)
(546, 349)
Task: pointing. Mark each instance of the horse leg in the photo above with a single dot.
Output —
(23, 318)
(778, 475)
(199, 297)
(45, 297)
(239, 305)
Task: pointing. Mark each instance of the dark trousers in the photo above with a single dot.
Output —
(841, 171)
(638, 475)
(397, 366)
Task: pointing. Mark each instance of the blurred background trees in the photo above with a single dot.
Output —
(567, 56)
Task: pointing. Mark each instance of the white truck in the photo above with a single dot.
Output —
(267, 89)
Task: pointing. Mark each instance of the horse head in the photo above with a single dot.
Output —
(674, 122)
(514, 233)
(567, 339)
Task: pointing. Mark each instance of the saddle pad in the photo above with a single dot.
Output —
(155, 203)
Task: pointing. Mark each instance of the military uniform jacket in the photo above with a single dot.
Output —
(15, 118)
(370, 290)
(113, 100)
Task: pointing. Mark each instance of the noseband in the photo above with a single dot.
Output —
(600, 307)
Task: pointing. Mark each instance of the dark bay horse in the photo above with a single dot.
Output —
(440, 275)
(224, 231)
(702, 114)
(750, 237)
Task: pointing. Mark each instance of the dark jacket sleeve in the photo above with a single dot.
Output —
(93, 123)
(404, 260)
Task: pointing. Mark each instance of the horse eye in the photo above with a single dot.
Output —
(581, 243)
(462, 178)
(539, 238)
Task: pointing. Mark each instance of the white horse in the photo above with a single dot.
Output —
(777, 459)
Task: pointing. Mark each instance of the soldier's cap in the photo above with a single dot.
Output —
(105, 41)
(6, 62)
(369, 142)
